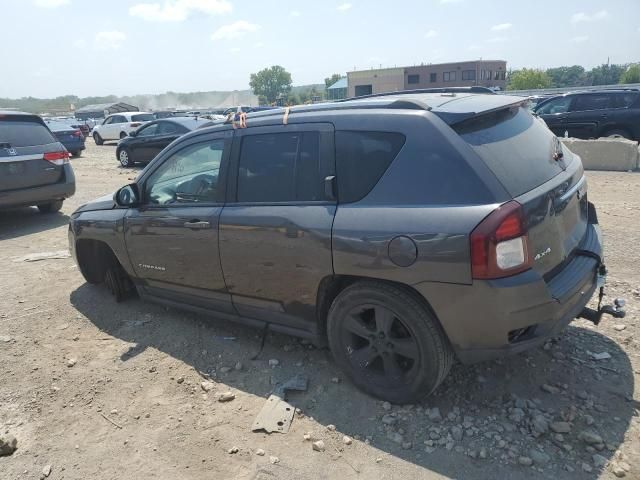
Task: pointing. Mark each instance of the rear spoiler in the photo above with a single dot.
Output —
(459, 109)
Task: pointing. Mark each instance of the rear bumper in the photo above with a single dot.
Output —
(75, 146)
(507, 316)
(65, 188)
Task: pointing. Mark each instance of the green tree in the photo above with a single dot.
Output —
(632, 75)
(271, 83)
(331, 80)
(606, 74)
(573, 76)
(528, 79)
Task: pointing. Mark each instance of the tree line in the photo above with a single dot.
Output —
(573, 76)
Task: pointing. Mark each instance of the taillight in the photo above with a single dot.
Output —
(500, 244)
(57, 158)
(136, 124)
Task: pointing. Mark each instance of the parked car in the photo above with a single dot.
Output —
(144, 144)
(593, 114)
(72, 122)
(71, 137)
(404, 230)
(119, 125)
(34, 165)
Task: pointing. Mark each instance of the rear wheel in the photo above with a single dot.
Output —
(97, 138)
(51, 207)
(76, 154)
(124, 156)
(388, 342)
(618, 133)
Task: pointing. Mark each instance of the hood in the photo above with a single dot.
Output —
(101, 203)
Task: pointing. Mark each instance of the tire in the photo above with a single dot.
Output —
(76, 154)
(51, 207)
(98, 139)
(124, 157)
(123, 135)
(386, 320)
(618, 133)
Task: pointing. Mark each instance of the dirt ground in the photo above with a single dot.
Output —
(95, 389)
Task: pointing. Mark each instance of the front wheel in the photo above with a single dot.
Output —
(124, 156)
(388, 342)
(51, 207)
(97, 138)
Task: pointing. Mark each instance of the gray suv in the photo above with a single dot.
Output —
(34, 165)
(404, 230)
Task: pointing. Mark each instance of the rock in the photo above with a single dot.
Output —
(516, 415)
(239, 366)
(71, 362)
(5, 338)
(260, 452)
(590, 438)
(619, 327)
(560, 427)
(599, 460)
(307, 437)
(207, 385)
(8, 445)
(227, 397)
(46, 470)
(434, 415)
(378, 459)
(525, 461)
(586, 467)
(386, 406)
(233, 450)
(540, 425)
(180, 380)
(225, 369)
(395, 437)
(274, 460)
(331, 428)
(589, 419)
(456, 433)
(274, 362)
(483, 453)
(407, 445)
(538, 457)
(389, 420)
(318, 446)
(600, 356)
(347, 440)
(582, 395)
(335, 380)
(549, 388)
(618, 471)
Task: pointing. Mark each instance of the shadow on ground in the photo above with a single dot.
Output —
(485, 400)
(25, 221)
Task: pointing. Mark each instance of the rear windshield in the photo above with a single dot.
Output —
(143, 117)
(515, 145)
(23, 132)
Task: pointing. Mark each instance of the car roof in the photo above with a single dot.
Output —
(15, 112)
(129, 113)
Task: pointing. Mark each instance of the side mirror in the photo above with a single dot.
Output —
(127, 196)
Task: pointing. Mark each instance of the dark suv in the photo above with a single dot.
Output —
(34, 165)
(593, 114)
(407, 230)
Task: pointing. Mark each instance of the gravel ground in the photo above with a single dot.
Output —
(94, 389)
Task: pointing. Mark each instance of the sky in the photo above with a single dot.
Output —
(125, 47)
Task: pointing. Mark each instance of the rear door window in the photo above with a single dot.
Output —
(361, 159)
(516, 146)
(592, 101)
(280, 167)
(22, 132)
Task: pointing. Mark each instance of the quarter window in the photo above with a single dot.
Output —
(189, 176)
(361, 159)
(149, 131)
(280, 167)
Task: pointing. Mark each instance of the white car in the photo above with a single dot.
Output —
(119, 125)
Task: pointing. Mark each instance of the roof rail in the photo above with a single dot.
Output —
(484, 90)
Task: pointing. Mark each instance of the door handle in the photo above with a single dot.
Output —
(197, 225)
